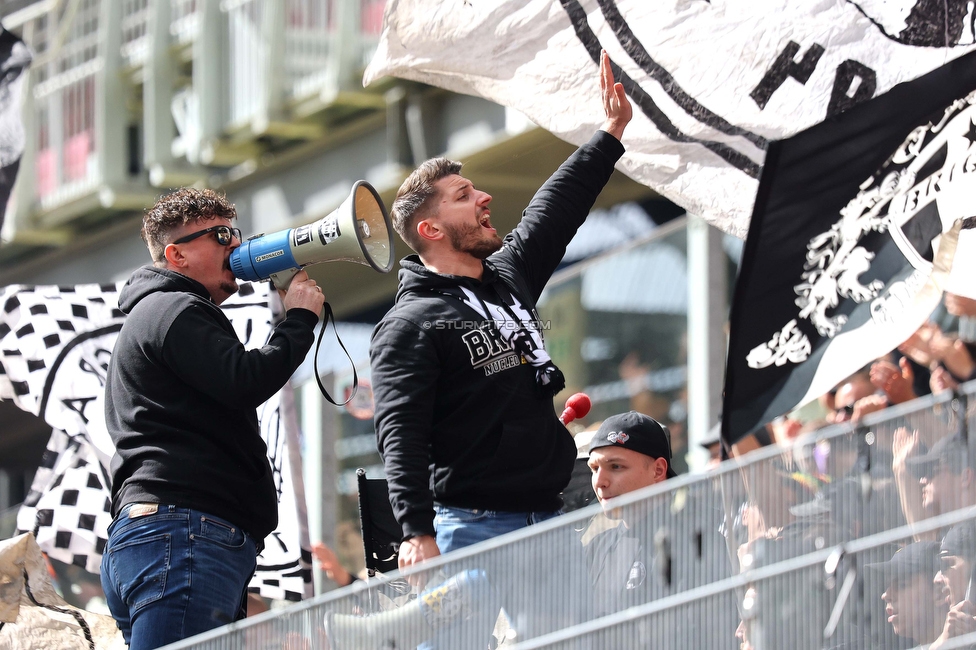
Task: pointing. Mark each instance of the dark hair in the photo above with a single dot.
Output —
(178, 209)
(413, 195)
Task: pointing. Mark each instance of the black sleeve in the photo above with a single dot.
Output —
(214, 361)
(404, 369)
(557, 210)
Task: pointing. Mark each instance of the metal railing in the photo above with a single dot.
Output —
(670, 565)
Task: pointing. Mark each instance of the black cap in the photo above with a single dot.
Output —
(950, 450)
(917, 558)
(637, 432)
(961, 541)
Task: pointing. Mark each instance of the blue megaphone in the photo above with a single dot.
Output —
(358, 231)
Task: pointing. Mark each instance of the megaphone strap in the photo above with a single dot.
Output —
(329, 317)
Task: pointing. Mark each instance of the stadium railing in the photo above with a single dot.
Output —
(677, 564)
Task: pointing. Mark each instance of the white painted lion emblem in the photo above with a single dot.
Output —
(835, 262)
(934, 167)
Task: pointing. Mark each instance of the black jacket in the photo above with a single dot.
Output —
(181, 399)
(459, 419)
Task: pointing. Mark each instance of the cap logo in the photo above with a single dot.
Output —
(618, 437)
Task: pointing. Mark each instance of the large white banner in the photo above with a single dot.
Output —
(712, 81)
(55, 347)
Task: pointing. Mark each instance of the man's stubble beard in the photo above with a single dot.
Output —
(468, 240)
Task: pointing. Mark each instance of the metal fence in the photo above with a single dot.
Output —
(775, 544)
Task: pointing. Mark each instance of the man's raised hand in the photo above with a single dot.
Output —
(616, 105)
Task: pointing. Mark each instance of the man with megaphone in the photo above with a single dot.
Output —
(461, 379)
(192, 491)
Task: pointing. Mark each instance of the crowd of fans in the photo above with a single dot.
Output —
(831, 488)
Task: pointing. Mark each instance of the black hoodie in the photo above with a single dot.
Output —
(181, 399)
(459, 417)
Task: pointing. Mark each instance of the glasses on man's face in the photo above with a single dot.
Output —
(223, 234)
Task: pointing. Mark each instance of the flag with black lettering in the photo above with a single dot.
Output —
(14, 61)
(712, 82)
(55, 348)
(851, 243)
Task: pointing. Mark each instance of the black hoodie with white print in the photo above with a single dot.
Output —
(460, 417)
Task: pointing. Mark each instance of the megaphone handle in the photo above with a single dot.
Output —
(282, 279)
(318, 376)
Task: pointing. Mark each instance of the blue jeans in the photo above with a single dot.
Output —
(460, 527)
(174, 573)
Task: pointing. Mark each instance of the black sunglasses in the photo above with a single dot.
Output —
(223, 234)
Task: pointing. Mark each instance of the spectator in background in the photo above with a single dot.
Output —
(965, 309)
(948, 356)
(855, 397)
(915, 605)
(896, 380)
(630, 451)
(955, 577)
(946, 475)
(642, 551)
(904, 447)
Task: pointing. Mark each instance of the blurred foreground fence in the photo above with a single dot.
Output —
(768, 551)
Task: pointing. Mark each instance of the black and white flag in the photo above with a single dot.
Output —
(55, 347)
(712, 81)
(15, 57)
(855, 229)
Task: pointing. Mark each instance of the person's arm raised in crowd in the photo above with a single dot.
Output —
(959, 621)
(904, 446)
(330, 563)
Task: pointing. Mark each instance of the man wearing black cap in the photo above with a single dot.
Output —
(914, 604)
(628, 452)
(946, 475)
(627, 553)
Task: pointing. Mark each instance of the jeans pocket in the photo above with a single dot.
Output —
(452, 515)
(140, 567)
(221, 532)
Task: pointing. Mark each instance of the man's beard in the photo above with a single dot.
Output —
(468, 239)
(229, 287)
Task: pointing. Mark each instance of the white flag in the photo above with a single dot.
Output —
(712, 81)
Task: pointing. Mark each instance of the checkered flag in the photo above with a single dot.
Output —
(68, 507)
(55, 348)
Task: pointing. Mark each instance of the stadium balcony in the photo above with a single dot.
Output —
(127, 96)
